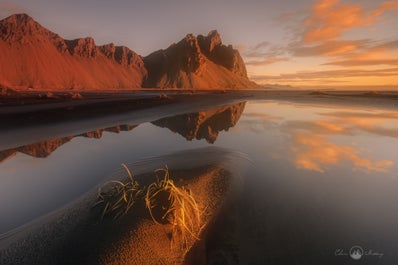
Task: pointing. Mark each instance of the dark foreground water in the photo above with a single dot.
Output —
(322, 183)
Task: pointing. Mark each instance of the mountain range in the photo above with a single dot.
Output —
(33, 57)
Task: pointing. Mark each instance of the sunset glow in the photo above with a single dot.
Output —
(338, 44)
(306, 44)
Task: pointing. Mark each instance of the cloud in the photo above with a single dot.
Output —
(264, 53)
(264, 50)
(386, 6)
(328, 48)
(359, 115)
(349, 123)
(330, 19)
(319, 127)
(319, 35)
(348, 63)
(327, 74)
(374, 123)
(379, 54)
(315, 152)
(260, 116)
(266, 61)
(391, 45)
(240, 47)
(261, 45)
(259, 122)
(349, 53)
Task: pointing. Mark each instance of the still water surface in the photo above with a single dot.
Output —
(323, 179)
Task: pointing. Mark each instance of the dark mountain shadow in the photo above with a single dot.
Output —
(204, 124)
(199, 125)
(45, 148)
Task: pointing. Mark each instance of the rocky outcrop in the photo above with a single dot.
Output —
(82, 47)
(20, 28)
(169, 68)
(7, 92)
(40, 149)
(45, 148)
(211, 46)
(123, 55)
(115, 129)
(204, 124)
(34, 57)
(197, 62)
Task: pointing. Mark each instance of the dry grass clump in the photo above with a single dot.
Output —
(166, 204)
(170, 204)
(118, 197)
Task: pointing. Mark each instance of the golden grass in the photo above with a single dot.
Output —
(166, 203)
(180, 208)
(118, 197)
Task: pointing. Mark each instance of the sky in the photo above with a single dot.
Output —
(307, 44)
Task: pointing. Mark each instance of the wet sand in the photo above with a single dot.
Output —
(75, 233)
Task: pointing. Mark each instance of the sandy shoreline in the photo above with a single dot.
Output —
(42, 100)
(23, 127)
(75, 234)
(24, 124)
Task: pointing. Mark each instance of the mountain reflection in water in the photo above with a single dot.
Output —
(205, 124)
(45, 148)
(320, 178)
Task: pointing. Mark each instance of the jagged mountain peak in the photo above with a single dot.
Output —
(209, 42)
(19, 27)
(32, 56)
(197, 62)
(21, 19)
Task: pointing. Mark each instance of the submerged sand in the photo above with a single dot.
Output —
(76, 234)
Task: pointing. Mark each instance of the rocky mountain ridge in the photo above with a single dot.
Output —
(32, 56)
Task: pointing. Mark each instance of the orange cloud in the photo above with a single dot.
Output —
(382, 54)
(330, 19)
(240, 47)
(356, 116)
(386, 6)
(328, 74)
(350, 53)
(375, 123)
(361, 62)
(314, 152)
(329, 48)
(320, 127)
(266, 61)
(262, 116)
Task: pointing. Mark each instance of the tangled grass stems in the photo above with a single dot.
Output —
(166, 203)
(118, 197)
(181, 209)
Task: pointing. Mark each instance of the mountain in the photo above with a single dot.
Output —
(201, 62)
(204, 124)
(45, 148)
(32, 56)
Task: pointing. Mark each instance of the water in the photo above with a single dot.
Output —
(323, 178)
